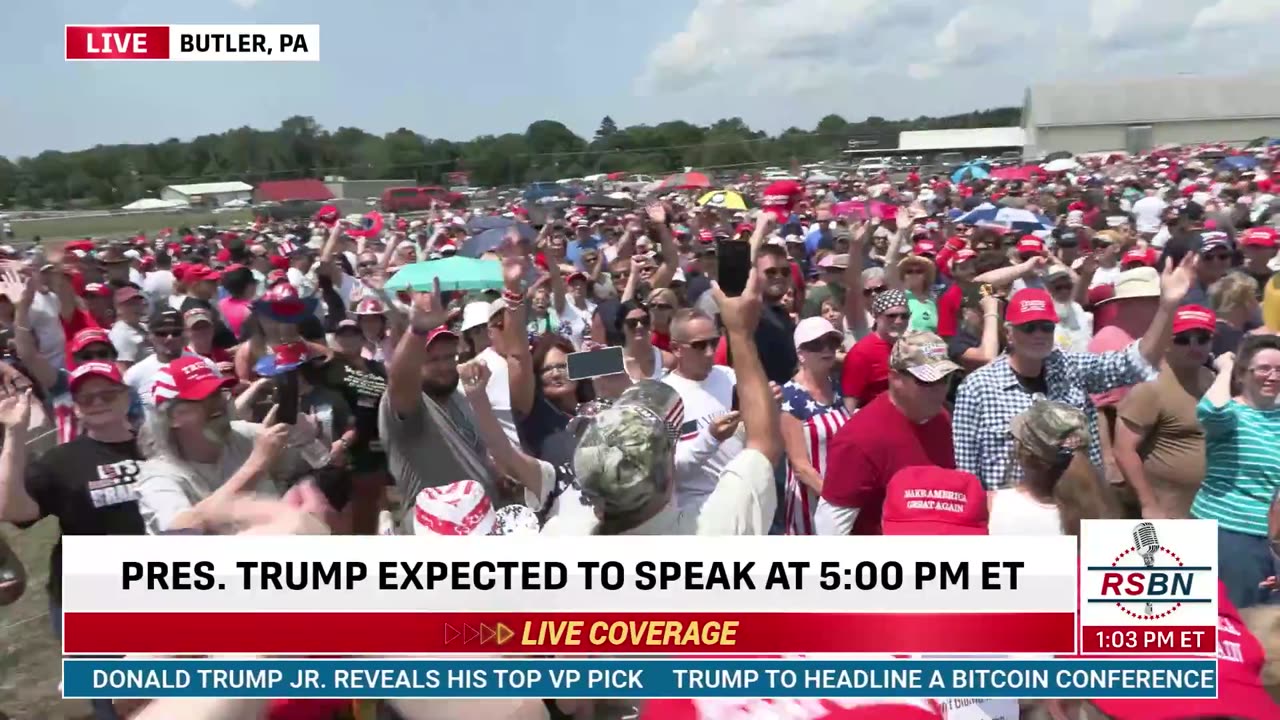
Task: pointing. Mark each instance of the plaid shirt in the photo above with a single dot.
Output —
(989, 398)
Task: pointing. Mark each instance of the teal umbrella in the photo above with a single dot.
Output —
(455, 273)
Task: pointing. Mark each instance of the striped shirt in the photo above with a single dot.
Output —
(1242, 452)
(819, 425)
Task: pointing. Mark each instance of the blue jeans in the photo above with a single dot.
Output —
(102, 709)
(1244, 561)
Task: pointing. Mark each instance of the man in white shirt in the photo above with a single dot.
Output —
(625, 461)
(1147, 213)
(165, 335)
(128, 334)
(707, 441)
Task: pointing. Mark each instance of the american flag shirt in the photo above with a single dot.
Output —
(820, 423)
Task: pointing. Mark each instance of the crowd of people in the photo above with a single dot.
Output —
(1113, 352)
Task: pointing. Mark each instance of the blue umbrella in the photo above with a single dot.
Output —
(1015, 219)
(487, 233)
(972, 171)
(1238, 162)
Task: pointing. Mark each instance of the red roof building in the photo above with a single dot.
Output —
(285, 190)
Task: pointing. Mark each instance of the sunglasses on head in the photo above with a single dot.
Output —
(1193, 337)
(826, 344)
(703, 344)
(636, 323)
(1039, 326)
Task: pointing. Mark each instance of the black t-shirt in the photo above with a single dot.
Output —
(543, 421)
(775, 339)
(89, 486)
(1038, 384)
(1226, 338)
(362, 390)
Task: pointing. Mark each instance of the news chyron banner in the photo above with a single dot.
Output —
(194, 43)
(543, 595)
(1149, 587)
(962, 619)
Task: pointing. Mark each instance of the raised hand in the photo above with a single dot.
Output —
(428, 310)
(1175, 282)
(15, 408)
(657, 213)
(474, 376)
(741, 314)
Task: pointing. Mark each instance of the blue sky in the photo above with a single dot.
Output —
(460, 68)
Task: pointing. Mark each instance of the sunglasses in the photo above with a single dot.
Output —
(1063, 287)
(1194, 337)
(703, 344)
(105, 397)
(1039, 326)
(167, 333)
(821, 345)
(636, 323)
(661, 306)
(776, 272)
(897, 316)
(1216, 257)
(90, 355)
(869, 291)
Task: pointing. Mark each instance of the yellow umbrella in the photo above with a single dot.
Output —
(724, 199)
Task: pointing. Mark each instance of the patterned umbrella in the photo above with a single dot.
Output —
(685, 181)
(723, 199)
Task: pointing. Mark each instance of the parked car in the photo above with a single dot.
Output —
(416, 199)
(543, 189)
(633, 183)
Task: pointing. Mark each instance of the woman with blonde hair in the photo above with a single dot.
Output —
(1059, 486)
(917, 273)
(1234, 299)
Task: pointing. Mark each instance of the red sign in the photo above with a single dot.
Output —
(117, 42)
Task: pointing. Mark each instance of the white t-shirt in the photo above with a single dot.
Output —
(1105, 276)
(499, 392)
(1146, 213)
(578, 320)
(158, 286)
(141, 376)
(131, 343)
(1014, 512)
(46, 325)
(167, 488)
(700, 458)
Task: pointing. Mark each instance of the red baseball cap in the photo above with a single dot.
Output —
(1140, 256)
(443, 330)
(780, 197)
(1194, 317)
(98, 290)
(929, 500)
(1030, 245)
(92, 369)
(925, 247)
(188, 378)
(1030, 305)
(770, 708)
(87, 337)
(1259, 237)
(1240, 691)
(196, 273)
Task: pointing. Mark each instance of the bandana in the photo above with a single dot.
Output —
(888, 299)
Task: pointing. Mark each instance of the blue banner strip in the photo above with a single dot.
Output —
(639, 678)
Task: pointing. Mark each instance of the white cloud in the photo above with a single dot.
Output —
(974, 34)
(1236, 14)
(767, 42)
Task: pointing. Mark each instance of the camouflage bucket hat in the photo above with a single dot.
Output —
(1051, 430)
(623, 459)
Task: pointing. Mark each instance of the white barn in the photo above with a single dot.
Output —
(215, 194)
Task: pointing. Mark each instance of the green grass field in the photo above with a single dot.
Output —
(64, 228)
(29, 656)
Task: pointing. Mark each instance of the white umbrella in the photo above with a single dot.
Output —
(1061, 165)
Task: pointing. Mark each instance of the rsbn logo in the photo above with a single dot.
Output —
(1147, 580)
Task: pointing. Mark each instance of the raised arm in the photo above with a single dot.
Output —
(891, 277)
(1174, 285)
(404, 376)
(855, 304)
(24, 339)
(515, 339)
(670, 257)
(16, 505)
(741, 316)
(509, 459)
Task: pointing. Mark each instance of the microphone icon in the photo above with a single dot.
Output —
(1146, 543)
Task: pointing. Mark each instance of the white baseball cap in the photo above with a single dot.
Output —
(814, 328)
(459, 508)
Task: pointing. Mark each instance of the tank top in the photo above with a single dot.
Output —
(658, 370)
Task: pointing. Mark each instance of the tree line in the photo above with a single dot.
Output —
(110, 175)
